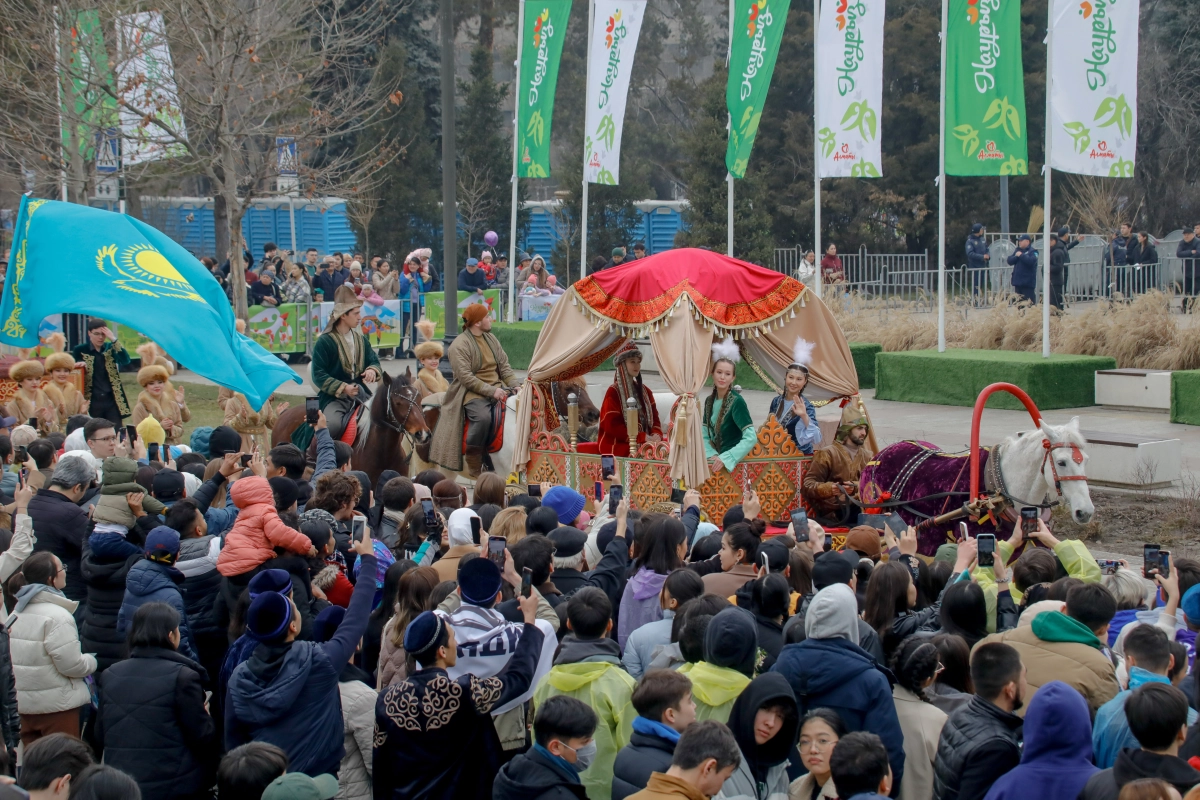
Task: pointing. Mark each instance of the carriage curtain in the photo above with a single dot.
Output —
(682, 351)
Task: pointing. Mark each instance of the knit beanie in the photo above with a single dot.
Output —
(223, 439)
(478, 582)
(268, 617)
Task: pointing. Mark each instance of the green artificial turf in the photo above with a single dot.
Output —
(1185, 397)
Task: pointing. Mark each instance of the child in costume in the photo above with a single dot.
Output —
(30, 400)
(159, 399)
(429, 353)
(67, 399)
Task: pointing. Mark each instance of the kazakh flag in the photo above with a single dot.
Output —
(71, 259)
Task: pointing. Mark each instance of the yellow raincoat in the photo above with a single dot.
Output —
(1076, 559)
(714, 689)
(606, 688)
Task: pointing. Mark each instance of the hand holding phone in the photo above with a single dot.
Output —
(358, 528)
(1029, 520)
(986, 554)
(312, 407)
(526, 582)
(495, 551)
(677, 496)
(608, 467)
(615, 494)
(1151, 561)
(800, 525)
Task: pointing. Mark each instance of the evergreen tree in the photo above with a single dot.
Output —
(484, 155)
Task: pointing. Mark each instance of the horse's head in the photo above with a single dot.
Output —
(404, 406)
(1065, 457)
(589, 414)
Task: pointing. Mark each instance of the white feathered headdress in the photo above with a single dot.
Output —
(727, 350)
(802, 352)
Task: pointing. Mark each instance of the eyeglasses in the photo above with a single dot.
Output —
(104, 439)
(821, 742)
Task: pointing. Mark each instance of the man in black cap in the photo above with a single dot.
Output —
(830, 568)
(570, 562)
(167, 486)
(1060, 257)
(1024, 262)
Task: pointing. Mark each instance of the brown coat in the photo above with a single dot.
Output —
(67, 399)
(465, 359)
(830, 466)
(667, 787)
(447, 565)
(254, 426)
(725, 584)
(23, 407)
(165, 407)
(393, 661)
(1080, 666)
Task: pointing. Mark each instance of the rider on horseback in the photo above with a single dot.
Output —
(832, 476)
(481, 373)
(343, 362)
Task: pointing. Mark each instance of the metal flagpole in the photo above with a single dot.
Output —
(512, 225)
(729, 128)
(816, 156)
(942, 190)
(587, 85)
(1046, 241)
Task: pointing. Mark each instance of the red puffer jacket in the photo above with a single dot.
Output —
(258, 530)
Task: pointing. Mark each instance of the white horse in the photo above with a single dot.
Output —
(1049, 462)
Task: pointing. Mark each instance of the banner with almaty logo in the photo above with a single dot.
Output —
(541, 54)
(985, 89)
(757, 32)
(611, 49)
(850, 88)
(1093, 95)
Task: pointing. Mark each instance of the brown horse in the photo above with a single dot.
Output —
(395, 416)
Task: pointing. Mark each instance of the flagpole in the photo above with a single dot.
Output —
(512, 225)
(1046, 175)
(816, 157)
(942, 190)
(587, 85)
(729, 128)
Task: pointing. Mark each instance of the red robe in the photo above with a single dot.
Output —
(613, 437)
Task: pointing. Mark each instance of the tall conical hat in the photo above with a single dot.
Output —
(344, 301)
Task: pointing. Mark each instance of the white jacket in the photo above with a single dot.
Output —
(18, 550)
(48, 664)
(358, 719)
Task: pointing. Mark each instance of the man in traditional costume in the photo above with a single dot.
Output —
(613, 438)
(481, 373)
(834, 471)
(728, 429)
(29, 401)
(343, 363)
(160, 400)
(67, 399)
(103, 356)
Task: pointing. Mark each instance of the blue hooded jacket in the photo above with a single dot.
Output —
(1056, 761)
(1111, 734)
(152, 582)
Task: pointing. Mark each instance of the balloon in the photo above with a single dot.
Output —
(491, 239)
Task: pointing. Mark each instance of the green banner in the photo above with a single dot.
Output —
(541, 53)
(435, 306)
(757, 32)
(84, 67)
(985, 89)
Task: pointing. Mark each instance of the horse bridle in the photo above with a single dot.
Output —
(1048, 455)
(390, 421)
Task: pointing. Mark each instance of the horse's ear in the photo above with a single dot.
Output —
(387, 379)
(1074, 424)
(1047, 429)
(408, 373)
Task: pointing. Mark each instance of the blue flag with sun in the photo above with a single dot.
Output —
(71, 259)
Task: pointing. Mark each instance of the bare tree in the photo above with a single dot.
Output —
(361, 207)
(476, 200)
(568, 228)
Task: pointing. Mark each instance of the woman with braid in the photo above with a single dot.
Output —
(728, 430)
(915, 665)
(613, 437)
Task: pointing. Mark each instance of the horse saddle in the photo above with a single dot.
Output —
(357, 425)
(499, 411)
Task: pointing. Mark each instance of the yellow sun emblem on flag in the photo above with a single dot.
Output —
(142, 269)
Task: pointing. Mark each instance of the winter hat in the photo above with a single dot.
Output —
(731, 640)
(26, 369)
(864, 540)
(327, 622)
(608, 532)
(222, 440)
(192, 482)
(1191, 605)
(733, 515)
(1064, 231)
(270, 580)
(151, 430)
(459, 527)
(285, 490)
(569, 541)
(162, 545)
(833, 614)
(200, 441)
(474, 313)
(947, 552)
(565, 501)
(428, 350)
(977, 227)
(298, 786)
(23, 435)
(169, 485)
(832, 568)
(268, 617)
(704, 529)
(426, 632)
(618, 252)
(776, 554)
(478, 582)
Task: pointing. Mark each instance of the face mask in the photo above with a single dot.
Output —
(584, 755)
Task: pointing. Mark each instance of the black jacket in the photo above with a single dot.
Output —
(532, 776)
(1059, 258)
(976, 248)
(1189, 250)
(979, 743)
(61, 527)
(153, 724)
(1141, 254)
(644, 754)
(105, 581)
(1132, 765)
(200, 588)
(10, 720)
(927, 620)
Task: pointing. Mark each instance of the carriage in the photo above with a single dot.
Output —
(680, 301)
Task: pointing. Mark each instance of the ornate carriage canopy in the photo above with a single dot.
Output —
(683, 300)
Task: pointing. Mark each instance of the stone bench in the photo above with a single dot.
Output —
(1140, 389)
(1133, 462)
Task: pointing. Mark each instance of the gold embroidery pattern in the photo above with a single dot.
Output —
(485, 692)
(380, 736)
(400, 705)
(13, 326)
(440, 702)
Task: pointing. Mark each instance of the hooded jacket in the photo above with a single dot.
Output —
(287, 693)
(599, 680)
(1135, 764)
(201, 583)
(258, 530)
(1111, 734)
(730, 654)
(112, 507)
(639, 603)
(1057, 647)
(47, 662)
(762, 773)
(650, 749)
(358, 718)
(976, 248)
(105, 578)
(61, 527)
(533, 776)
(1056, 761)
(828, 670)
(642, 643)
(153, 582)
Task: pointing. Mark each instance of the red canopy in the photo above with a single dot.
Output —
(730, 294)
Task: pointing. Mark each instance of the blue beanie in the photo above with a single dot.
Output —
(977, 227)
(566, 502)
(327, 622)
(478, 582)
(268, 617)
(1191, 604)
(270, 580)
(162, 544)
(199, 441)
(427, 630)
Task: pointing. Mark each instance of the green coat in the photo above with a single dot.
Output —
(737, 435)
(115, 356)
(333, 368)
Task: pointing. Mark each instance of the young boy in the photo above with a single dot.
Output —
(429, 354)
(29, 401)
(860, 768)
(588, 668)
(663, 700)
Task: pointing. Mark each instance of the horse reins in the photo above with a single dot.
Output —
(389, 420)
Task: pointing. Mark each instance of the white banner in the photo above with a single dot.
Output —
(1093, 97)
(850, 89)
(146, 81)
(613, 46)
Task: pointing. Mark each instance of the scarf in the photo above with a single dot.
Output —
(634, 388)
(652, 728)
(29, 591)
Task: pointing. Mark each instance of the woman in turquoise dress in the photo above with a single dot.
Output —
(728, 430)
(791, 408)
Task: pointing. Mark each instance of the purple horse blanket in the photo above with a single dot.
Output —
(911, 470)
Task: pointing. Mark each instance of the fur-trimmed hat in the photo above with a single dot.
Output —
(426, 327)
(428, 350)
(628, 350)
(26, 369)
(853, 415)
(154, 372)
(151, 353)
(59, 359)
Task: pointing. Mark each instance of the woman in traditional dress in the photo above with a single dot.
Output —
(160, 400)
(254, 426)
(791, 408)
(613, 437)
(61, 390)
(728, 430)
(29, 401)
